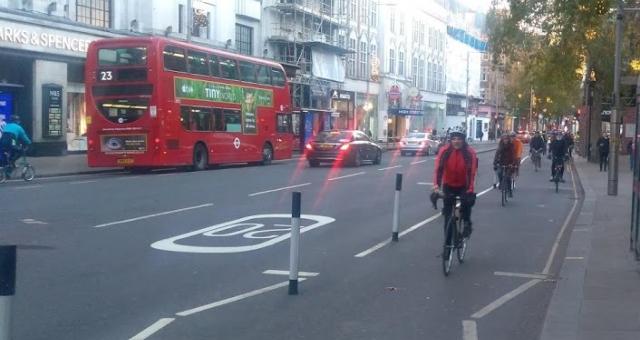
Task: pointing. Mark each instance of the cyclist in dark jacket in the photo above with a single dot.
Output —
(537, 142)
(505, 156)
(557, 153)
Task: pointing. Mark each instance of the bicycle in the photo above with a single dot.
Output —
(453, 239)
(507, 184)
(557, 171)
(8, 170)
(536, 159)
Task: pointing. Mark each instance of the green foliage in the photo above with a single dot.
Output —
(552, 42)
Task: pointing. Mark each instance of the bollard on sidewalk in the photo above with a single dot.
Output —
(295, 243)
(7, 288)
(396, 208)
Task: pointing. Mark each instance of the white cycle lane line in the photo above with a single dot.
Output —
(408, 230)
(534, 278)
(163, 213)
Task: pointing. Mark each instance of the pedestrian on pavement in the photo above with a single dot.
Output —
(454, 175)
(480, 135)
(603, 151)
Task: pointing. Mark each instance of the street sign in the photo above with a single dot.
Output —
(242, 235)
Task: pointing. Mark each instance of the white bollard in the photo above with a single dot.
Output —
(396, 208)
(295, 243)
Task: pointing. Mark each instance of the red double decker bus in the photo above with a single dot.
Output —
(157, 102)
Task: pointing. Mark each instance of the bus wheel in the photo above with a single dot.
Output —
(200, 157)
(267, 154)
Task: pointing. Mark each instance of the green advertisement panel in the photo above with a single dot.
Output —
(248, 98)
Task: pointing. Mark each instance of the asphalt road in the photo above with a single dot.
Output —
(116, 255)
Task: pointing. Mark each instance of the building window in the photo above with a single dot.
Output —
(362, 71)
(414, 71)
(421, 74)
(244, 39)
(351, 61)
(94, 12)
(364, 12)
(392, 21)
(352, 8)
(401, 25)
(401, 63)
(374, 15)
(200, 22)
(392, 61)
(180, 18)
(421, 32)
(441, 78)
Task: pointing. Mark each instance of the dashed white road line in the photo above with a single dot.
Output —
(528, 276)
(504, 299)
(286, 273)
(469, 330)
(574, 258)
(346, 176)
(152, 215)
(279, 189)
(155, 327)
(83, 182)
(556, 244)
(235, 298)
(27, 187)
(425, 183)
(419, 162)
(390, 167)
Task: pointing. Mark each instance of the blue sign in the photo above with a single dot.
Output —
(308, 126)
(406, 112)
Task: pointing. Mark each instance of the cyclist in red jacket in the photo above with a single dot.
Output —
(455, 175)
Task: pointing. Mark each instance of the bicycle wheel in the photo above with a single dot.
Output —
(461, 245)
(28, 172)
(447, 249)
(503, 190)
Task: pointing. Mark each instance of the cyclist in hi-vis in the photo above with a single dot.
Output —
(455, 175)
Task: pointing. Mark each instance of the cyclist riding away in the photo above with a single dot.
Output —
(557, 153)
(455, 175)
(14, 140)
(505, 156)
(537, 147)
(518, 146)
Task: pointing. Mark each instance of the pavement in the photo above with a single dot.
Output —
(598, 287)
(74, 164)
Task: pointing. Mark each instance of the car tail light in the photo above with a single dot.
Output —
(308, 146)
(344, 147)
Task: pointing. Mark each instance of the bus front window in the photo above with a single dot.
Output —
(123, 111)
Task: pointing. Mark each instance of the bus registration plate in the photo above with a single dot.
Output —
(125, 161)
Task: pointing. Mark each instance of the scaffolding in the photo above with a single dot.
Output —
(300, 24)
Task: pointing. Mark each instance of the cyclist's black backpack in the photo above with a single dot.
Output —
(8, 141)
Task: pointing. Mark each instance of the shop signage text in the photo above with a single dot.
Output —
(43, 39)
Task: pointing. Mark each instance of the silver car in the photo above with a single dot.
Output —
(418, 143)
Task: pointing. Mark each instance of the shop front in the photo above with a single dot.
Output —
(42, 81)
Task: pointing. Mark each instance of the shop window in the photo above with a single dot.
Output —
(76, 122)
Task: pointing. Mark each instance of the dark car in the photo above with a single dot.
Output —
(347, 146)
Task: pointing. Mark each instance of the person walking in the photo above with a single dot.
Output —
(631, 150)
(603, 150)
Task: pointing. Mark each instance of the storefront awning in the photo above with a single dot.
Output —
(406, 112)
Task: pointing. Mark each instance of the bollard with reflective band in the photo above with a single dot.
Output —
(396, 208)
(295, 243)
(7, 288)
